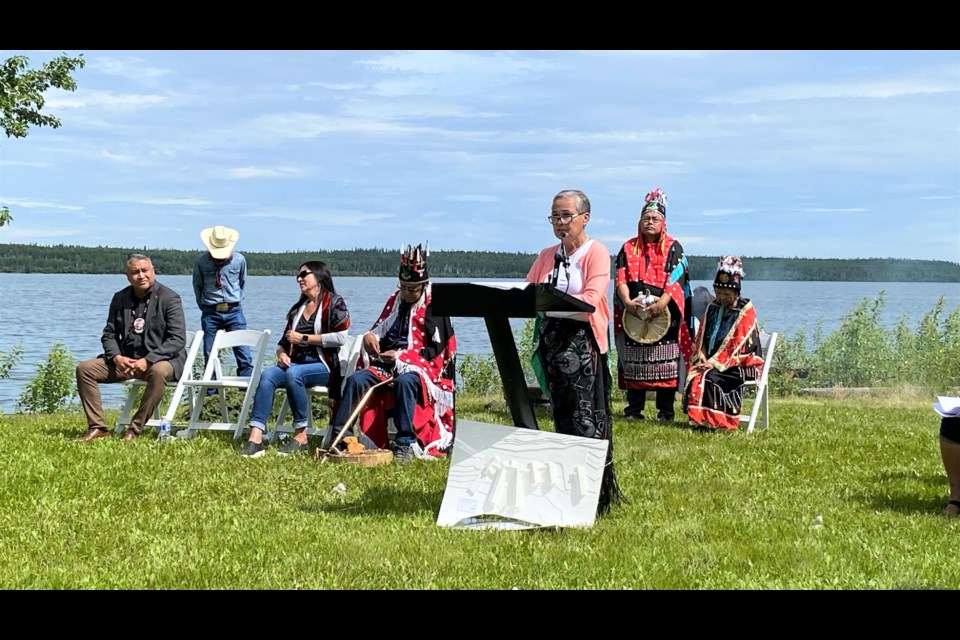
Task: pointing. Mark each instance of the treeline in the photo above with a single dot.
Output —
(32, 258)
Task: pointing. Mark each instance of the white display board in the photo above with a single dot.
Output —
(514, 478)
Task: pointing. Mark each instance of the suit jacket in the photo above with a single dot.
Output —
(165, 330)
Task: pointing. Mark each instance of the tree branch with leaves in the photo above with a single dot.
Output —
(21, 97)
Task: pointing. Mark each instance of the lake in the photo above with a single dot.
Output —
(37, 310)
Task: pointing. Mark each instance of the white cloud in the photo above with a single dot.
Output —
(22, 163)
(473, 198)
(697, 240)
(187, 202)
(118, 157)
(16, 232)
(310, 125)
(662, 54)
(131, 68)
(846, 210)
(111, 101)
(451, 73)
(813, 90)
(326, 217)
(725, 212)
(337, 86)
(244, 173)
(457, 62)
(40, 204)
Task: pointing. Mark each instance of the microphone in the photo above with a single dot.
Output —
(559, 258)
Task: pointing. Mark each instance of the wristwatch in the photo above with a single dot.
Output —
(304, 338)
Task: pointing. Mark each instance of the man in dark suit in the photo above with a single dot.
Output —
(143, 338)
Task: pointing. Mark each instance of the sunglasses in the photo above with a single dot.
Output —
(303, 274)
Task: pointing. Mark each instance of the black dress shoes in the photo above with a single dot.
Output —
(93, 434)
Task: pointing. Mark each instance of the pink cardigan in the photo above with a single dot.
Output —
(595, 265)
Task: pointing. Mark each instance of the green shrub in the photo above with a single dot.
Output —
(54, 387)
(861, 352)
(9, 360)
(479, 374)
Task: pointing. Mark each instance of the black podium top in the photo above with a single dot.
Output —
(472, 300)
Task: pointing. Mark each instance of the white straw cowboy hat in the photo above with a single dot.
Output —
(220, 241)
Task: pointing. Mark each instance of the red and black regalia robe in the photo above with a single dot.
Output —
(431, 353)
(655, 267)
(728, 343)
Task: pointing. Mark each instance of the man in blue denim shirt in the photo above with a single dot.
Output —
(219, 278)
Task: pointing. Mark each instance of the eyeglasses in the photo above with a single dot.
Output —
(656, 218)
(565, 218)
(303, 274)
(409, 288)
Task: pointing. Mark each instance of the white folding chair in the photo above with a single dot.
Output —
(213, 378)
(349, 354)
(193, 348)
(760, 414)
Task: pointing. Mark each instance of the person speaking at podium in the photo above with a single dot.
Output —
(570, 356)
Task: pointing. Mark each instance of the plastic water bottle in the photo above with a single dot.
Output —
(164, 429)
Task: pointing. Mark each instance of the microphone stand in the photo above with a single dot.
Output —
(559, 258)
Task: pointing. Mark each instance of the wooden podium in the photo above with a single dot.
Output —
(496, 303)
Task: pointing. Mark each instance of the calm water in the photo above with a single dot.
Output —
(37, 310)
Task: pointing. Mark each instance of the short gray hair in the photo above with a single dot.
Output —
(583, 202)
(136, 256)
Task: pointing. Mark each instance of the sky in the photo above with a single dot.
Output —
(821, 154)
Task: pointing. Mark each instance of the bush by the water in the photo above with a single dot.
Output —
(54, 386)
(861, 352)
(9, 359)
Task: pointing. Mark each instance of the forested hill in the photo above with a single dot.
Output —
(29, 258)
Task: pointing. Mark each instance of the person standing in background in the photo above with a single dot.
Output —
(219, 282)
(652, 266)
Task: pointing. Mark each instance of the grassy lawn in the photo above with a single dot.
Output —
(837, 494)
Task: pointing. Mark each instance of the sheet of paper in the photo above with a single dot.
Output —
(947, 406)
(503, 284)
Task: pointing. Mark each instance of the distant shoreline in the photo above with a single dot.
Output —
(443, 277)
(29, 258)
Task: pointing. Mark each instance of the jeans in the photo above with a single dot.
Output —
(295, 379)
(406, 390)
(231, 320)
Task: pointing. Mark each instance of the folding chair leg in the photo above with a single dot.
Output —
(766, 407)
(127, 412)
(281, 419)
(753, 413)
(198, 395)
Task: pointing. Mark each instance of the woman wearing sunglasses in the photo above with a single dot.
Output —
(307, 356)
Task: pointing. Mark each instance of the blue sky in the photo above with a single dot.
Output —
(786, 153)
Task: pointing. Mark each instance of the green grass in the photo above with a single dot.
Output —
(706, 511)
